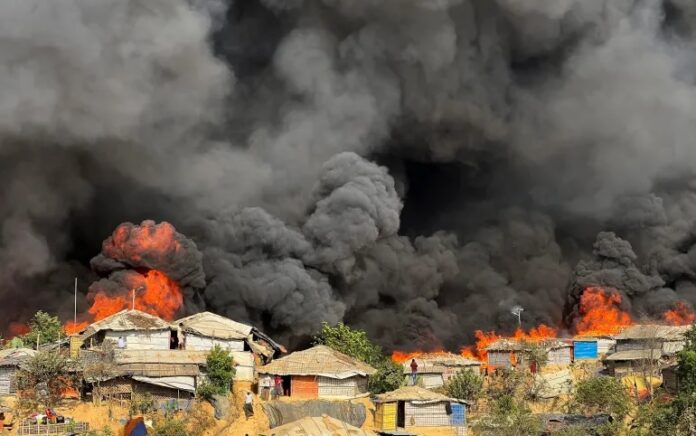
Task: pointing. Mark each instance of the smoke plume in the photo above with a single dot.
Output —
(414, 168)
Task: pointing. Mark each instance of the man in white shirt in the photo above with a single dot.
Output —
(248, 405)
(121, 342)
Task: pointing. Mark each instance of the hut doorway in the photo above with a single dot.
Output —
(174, 340)
(287, 384)
(401, 414)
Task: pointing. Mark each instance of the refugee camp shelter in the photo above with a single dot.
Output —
(204, 330)
(435, 369)
(140, 331)
(644, 349)
(10, 360)
(317, 426)
(413, 406)
(169, 376)
(509, 353)
(320, 372)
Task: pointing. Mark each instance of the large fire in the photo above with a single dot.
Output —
(601, 313)
(680, 315)
(144, 287)
(155, 293)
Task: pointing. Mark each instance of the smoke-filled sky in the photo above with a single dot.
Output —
(415, 167)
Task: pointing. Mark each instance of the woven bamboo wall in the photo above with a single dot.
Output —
(426, 415)
(350, 387)
(385, 416)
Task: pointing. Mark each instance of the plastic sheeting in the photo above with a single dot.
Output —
(187, 384)
(280, 413)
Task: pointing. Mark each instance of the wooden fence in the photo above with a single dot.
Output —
(61, 429)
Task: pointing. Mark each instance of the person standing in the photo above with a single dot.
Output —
(266, 385)
(248, 405)
(414, 371)
(121, 342)
(278, 386)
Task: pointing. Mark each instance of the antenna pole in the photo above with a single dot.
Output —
(75, 306)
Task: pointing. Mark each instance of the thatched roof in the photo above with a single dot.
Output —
(214, 326)
(317, 426)
(15, 356)
(654, 331)
(319, 360)
(438, 363)
(414, 394)
(127, 356)
(126, 320)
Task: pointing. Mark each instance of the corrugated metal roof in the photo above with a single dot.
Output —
(126, 320)
(416, 394)
(15, 356)
(634, 355)
(317, 426)
(654, 331)
(214, 326)
(318, 360)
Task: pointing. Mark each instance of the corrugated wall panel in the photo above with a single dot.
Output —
(499, 359)
(560, 356)
(304, 387)
(385, 416)
(141, 340)
(6, 375)
(426, 415)
(201, 343)
(583, 350)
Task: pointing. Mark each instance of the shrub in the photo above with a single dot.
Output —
(43, 328)
(170, 426)
(465, 385)
(602, 395)
(220, 373)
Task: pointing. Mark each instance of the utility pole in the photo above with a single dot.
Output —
(140, 288)
(517, 311)
(75, 306)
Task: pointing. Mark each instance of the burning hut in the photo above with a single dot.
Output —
(10, 361)
(320, 372)
(644, 349)
(435, 369)
(204, 330)
(508, 353)
(413, 406)
(137, 331)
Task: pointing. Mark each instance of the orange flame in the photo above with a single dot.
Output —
(600, 313)
(17, 329)
(406, 356)
(680, 315)
(160, 296)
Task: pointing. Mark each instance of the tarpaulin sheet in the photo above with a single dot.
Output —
(181, 383)
(280, 413)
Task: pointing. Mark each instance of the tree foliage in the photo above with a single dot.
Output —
(465, 385)
(220, 373)
(355, 343)
(43, 328)
(509, 416)
(44, 379)
(602, 395)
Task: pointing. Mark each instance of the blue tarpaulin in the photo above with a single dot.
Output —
(585, 349)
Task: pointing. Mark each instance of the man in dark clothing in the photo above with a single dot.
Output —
(414, 371)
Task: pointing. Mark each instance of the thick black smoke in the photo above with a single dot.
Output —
(523, 150)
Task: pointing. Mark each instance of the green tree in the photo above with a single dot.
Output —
(220, 372)
(43, 328)
(509, 416)
(356, 344)
(45, 377)
(602, 395)
(465, 385)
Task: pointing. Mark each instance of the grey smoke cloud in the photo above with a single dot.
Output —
(527, 149)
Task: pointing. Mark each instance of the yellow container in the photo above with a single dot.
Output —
(385, 416)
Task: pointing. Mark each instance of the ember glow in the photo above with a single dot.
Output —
(680, 315)
(146, 244)
(601, 313)
(17, 329)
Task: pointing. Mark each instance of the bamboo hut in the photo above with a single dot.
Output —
(413, 406)
(435, 369)
(10, 361)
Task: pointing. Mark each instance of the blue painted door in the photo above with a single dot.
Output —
(585, 350)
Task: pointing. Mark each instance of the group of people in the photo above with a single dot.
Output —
(272, 387)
